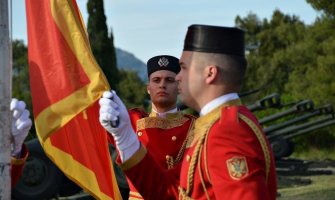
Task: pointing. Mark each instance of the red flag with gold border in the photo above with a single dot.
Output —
(66, 84)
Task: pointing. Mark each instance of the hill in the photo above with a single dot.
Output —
(127, 61)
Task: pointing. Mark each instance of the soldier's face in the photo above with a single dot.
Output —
(163, 88)
(190, 79)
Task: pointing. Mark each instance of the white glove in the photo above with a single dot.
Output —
(112, 109)
(21, 124)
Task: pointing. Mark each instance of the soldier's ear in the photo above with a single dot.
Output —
(211, 72)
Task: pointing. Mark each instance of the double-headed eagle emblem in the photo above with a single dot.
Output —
(163, 62)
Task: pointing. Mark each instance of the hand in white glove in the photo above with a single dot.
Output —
(21, 124)
(112, 109)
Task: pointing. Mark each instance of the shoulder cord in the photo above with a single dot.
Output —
(194, 160)
(200, 174)
(262, 142)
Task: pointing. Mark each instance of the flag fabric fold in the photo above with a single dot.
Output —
(66, 84)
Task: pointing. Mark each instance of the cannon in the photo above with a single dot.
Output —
(327, 109)
(297, 123)
(300, 107)
(295, 128)
(280, 140)
(270, 101)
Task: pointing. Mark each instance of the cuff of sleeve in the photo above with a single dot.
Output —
(134, 159)
(23, 157)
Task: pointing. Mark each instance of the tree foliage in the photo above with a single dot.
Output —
(102, 46)
(20, 75)
(268, 61)
(133, 90)
(127, 84)
(293, 59)
(326, 6)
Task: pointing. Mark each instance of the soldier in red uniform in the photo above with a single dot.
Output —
(213, 62)
(163, 131)
(227, 155)
(21, 124)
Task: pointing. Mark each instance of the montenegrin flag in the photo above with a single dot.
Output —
(66, 84)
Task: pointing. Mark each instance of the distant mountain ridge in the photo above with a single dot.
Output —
(127, 61)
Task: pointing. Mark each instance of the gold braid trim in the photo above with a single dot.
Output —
(183, 195)
(172, 121)
(200, 174)
(18, 161)
(205, 160)
(171, 162)
(134, 159)
(202, 127)
(198, 134)
(202, 123)
(194, 160)
(261, 140)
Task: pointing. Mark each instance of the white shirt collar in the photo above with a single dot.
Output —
(217, 102)
(174, 110)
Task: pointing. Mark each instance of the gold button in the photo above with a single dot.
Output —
(188, 158)
(139, 133)
(174, 138)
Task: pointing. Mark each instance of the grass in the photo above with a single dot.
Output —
(321, 188)
(315, 154)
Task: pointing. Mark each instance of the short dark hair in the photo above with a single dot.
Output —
(233, 69)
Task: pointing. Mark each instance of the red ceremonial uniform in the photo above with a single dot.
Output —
(17, 165)
(164, 138)
(227, 157)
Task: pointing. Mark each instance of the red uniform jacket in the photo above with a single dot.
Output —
(17, 165)
(164, 138)
(227, 157)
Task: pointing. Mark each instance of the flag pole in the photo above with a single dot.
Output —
(5, 98)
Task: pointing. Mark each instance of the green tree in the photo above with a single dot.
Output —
(313, 78)
(102, 46)
(20, 75)
(268, 63)
(20, 81)
(132, 90)
(328, 7)
(294, 60)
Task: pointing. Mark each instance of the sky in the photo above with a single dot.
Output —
(147, 28)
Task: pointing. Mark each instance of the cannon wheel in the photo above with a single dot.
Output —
(40, 179)
(282, 147)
